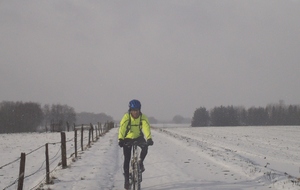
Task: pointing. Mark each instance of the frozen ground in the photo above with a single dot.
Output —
(208, 158)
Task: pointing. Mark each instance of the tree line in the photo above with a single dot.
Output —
(272, 114)
(16, 117)
(87, 117)
(20, 116)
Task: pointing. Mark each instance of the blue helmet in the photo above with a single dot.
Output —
(135, 104)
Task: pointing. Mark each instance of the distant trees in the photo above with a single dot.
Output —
(87, 118)
(57, 116)
(16, 117)
(257, 116)
(273, 114)
(201, 117)
(224, 116)
(293, 115)
(20, 117)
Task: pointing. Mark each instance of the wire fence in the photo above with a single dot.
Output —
(55, 153)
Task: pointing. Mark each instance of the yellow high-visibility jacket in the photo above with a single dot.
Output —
(141, 124)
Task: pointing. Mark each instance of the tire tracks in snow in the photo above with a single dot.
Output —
(232, 160)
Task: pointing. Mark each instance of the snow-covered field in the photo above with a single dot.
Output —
(204, 158)
(33, 144)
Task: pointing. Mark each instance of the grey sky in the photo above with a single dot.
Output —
(174, 56)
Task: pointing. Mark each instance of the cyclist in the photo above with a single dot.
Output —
(134, 126)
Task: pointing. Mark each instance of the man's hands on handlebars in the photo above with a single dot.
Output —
(122, 143)
(150, 142)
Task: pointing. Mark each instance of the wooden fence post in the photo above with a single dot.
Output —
(21, 171)
(47, 164)
(75, 141)
(96, 131)
(90, 131)
(82, 137)
(103, 128)
(63, 150)
(99, 128)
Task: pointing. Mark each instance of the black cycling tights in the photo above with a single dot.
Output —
(127, 154)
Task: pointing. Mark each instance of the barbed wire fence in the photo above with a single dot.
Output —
(42, 171)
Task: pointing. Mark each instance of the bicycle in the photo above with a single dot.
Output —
(135, 173)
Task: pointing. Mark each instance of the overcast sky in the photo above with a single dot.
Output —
(174, 56)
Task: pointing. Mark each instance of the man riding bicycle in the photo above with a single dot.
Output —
(134, 126)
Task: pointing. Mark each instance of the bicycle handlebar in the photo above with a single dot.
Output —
(131, 143)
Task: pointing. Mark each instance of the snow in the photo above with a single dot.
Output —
(182, 157)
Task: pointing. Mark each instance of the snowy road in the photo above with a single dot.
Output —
(171, 165)
(194, 158)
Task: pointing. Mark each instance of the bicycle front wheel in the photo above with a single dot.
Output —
(136, 177)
